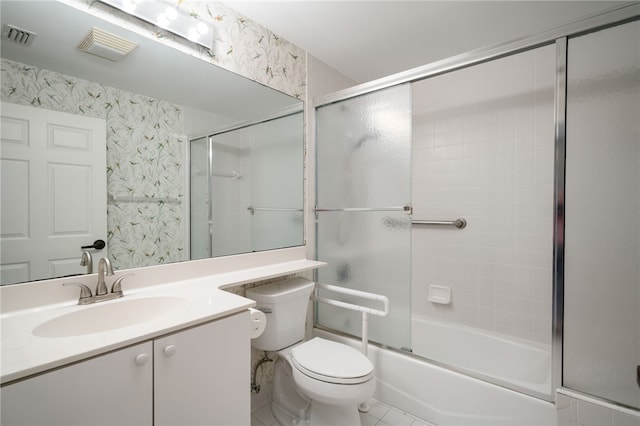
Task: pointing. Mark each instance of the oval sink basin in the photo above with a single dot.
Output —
(110, 316)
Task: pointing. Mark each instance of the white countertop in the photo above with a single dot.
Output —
(23, 353)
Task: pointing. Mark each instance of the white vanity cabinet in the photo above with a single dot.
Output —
(112, 389)
(202, 375)
(196, 376)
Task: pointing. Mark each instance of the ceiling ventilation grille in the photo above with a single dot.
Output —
(17, 35)
(106, 45)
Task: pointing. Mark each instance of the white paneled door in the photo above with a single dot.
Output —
(53, 191)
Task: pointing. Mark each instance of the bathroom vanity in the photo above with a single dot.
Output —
(176, 352)
(195, 376)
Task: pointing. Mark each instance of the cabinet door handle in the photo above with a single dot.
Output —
(142, 359)
(169, 350)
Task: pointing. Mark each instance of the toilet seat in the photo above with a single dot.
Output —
(331, 362)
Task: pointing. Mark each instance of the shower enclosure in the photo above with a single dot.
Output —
(245, 188)
(449, 190)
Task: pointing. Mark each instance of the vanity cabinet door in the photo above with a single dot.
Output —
(202, 375)
(112, 389)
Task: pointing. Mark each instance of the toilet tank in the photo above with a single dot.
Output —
(285, 306)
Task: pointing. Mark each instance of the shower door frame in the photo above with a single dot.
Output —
(559, 37)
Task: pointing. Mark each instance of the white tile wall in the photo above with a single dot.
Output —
(575, 410)
(483, 149)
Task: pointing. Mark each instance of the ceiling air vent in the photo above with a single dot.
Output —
(106, 45)
(17, 35)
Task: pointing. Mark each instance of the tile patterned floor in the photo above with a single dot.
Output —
(380, 414)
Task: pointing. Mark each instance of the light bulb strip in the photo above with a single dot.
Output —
(168, 17)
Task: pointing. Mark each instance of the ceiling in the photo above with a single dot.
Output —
(366, 40)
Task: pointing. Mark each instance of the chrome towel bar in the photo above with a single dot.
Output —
(113, 199)
(458, 223)
(407, 209)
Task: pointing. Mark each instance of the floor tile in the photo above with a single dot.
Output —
(264, 415)
(380, 414)
(397, 418)
(255, 422)
(368, 420)
(419, 422)
(377, 409)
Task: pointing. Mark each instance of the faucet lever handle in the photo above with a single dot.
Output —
(117, 285)
(85, 292)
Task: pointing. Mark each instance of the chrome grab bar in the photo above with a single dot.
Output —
(458, 223)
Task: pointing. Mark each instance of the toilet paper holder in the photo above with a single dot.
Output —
(258, 322)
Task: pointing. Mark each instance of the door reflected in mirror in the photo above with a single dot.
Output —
(153, 103)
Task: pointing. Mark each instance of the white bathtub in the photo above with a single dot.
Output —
(510, 361)
(447, 398)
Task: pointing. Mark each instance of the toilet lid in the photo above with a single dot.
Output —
(331, 362)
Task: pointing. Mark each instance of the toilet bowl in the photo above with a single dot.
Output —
(316, 382)
(320, 383)
(332, 373)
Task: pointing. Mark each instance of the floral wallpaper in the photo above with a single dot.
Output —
(144, 158)
(240, 44)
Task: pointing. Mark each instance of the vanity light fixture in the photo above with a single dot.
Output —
(171, 16)
(106, 45)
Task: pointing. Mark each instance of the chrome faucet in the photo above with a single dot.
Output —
(87, 261)
(104, 268)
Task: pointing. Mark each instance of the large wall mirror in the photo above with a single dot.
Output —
(163, 156)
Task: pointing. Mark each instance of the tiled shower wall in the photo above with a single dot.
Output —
(483, 150)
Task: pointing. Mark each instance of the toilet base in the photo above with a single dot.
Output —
(292, 406)
(285, 418)
(288, 406)
(333, 415)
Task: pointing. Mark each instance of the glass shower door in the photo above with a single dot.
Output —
(602, 215)
(363, 230)
(246, 188)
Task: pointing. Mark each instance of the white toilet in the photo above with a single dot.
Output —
(317, 382)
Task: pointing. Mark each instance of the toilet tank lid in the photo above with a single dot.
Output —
(282, 290)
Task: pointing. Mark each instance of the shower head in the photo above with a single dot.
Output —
(374, 135)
